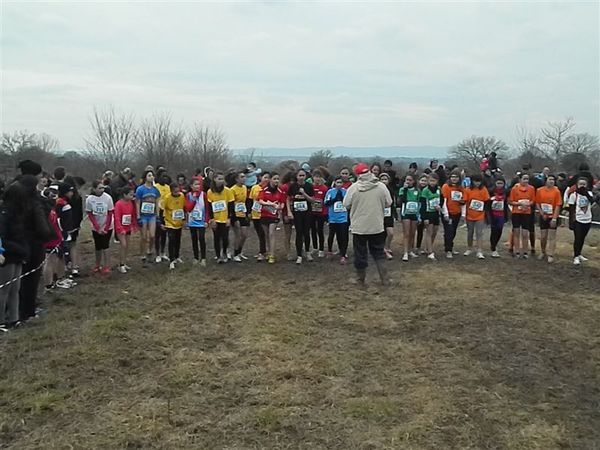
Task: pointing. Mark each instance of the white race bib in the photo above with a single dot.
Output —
(387, 212)
(126, 219)
(498, 205)
(178, 214)
(219, 206)
(148, 208)
(301, 206)
(476, 205)
(317, 206)
(547, 208)
(338, 207)
(240, 207)
(434, 203)
(99, 209)
(582, 201)
(197, 215)
(411, 207)
(456, 196)
(256, 207)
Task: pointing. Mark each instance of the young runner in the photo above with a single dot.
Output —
(408, 202)
(272, 200)
(125, 223)
(389, 215)
(197, 207)
(548, 201)
(173, 218)
(54, 267)
(146, 200)
(100, 210)
(476, 198)
(423, 182)
(239, 220)
(255, 214)
(431, 201)
(160, 239)
(453, 195)
(288, 221)
(580, 216)
(522, 200)
(345, 175)
(498, 214)
(221, 209)
(299, 199)
(319, 213)
(338, 219)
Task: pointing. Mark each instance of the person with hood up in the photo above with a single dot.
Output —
(366, 200)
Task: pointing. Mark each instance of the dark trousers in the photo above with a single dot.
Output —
(260, 232)
(302, 223)
(450, 228)
(497, 226)
(174, 235)
(160, 240)
(316, 229)
(364, 244)
(339, 230)
(198, 236)
(580, 231)
(29, 284)
(221, 238)
(420, 228)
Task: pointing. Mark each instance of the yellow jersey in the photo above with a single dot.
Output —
(219, 202)
(256, 207)
(174, 211)
(240, 193)
(165, 191)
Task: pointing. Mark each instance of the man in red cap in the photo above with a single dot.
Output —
(367, 200)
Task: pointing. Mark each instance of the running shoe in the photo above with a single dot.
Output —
(550, 259)
(75, 272)
(172, 265)
(203, 263)
(179, 261)
(343, 260)
(96, 269)
(413, 255)
(122, 269)
(299, 260)
(106, 270)
(449, 255)
(237, 258)
(244, 257)
(321, 254)
(127, 267)
(63, 284)
(577, 261)
(164, 257)
(495, 254)
(431, 256)
(525, 256)
(405, 257)
(583, 258)
(541, 256)
(467, 253)
(260, 258)
(195, 262)
(157, 259)
(480, 255)
(271, 259)
(309, 257)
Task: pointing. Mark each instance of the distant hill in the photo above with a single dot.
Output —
(425, 151)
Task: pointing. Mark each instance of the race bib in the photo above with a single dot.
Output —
(317, 206)
(301, 206)
(582, 202)
(546, 208)
(256, 207)
(197, 215)
(498, 205)
(99, 209)
(476, 205)
(219, 206)
(456, 196)
(148, 208)
(434, 203)
(271, 210)
(178, 214)
(387, 212)
(240, 208)
(411, 207)
(338, 207)
(126, 219)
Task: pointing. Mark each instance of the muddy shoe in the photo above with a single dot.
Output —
(383, 273)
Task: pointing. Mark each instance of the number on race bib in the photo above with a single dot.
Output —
(338, 207)
(126, 219)
(476, 205)
(498, 205)
(456, 196)
(301, 206)
(582, 202)
(317, 206)
(387, 212)
(148, 207)
(178, 214)
(99, 209)
(411, 207)
(197, 215)
(257, 207)
(546, 208)
(240, 208)
(219, 206)
(434, 203)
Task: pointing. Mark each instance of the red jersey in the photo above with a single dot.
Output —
(346, 184)
(269, 196)
(318, 206)
(125, 217)
(284, 188)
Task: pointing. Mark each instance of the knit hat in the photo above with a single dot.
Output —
(64, 188)
(361, 168)
(29, 167)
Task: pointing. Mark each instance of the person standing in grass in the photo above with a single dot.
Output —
(239, 220)
(366, 200)
(173, 217)
(125, 223)
(522, 201)
(197, 208)
(272, 201)
(423, 182)
(548, 200)
(408, 202)
(338, 219)
(100, 210)
(319, 213)
(452, 192)
(476, 198)
(163, 182)
(579, 204)
(299, 201)
(431, 201)
(287, 219)
(255, 215)
(498, 214)
(221, 209)
(389, 216)
(146, 200)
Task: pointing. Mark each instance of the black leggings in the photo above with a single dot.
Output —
(262, 242)
(160, 240)
(318, 223)
(339, 230)
(174, 235)
(29, 284)
(302, 223)
(221, 237)
(198, 235)
(580, 231)
(497, 224)
(450, 228)
(420, 228)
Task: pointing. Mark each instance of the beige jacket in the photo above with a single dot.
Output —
(366, 200)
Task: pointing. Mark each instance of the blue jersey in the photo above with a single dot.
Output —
(147, 197)
(336, 210)
(197, 216)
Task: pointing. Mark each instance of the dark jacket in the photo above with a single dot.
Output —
(37, 227)
(12, 234)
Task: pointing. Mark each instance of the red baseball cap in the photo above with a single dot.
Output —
(361, 168)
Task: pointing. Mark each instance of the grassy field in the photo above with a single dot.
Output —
(457, 354)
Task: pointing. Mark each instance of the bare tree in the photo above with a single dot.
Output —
(161, 143)
(113, 138)
(473, 149)
(13, 143)
(553, 138)
(527, 142)
(206, 146)
(582, 143)
(320, 158)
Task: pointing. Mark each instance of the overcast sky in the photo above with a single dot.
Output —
(274, 74)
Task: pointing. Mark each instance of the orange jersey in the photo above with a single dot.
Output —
(519, 194)
(452, 196)
(475, 201)
(547, 200)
